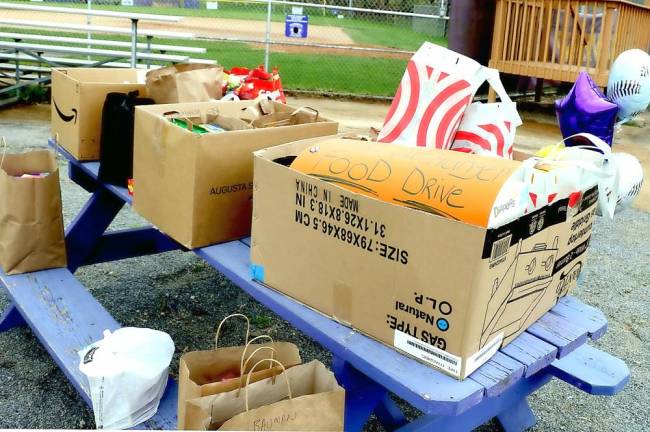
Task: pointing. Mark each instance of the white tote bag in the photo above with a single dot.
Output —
(489, 128)
(127, 374)
(437, 87)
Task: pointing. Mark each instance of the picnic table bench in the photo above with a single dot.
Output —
(66, 317)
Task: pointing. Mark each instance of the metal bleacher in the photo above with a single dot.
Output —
(27, 55)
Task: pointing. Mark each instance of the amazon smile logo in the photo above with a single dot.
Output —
(64, 117)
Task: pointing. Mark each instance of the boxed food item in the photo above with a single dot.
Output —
(78, 96)
(193, 164)
(442, 290)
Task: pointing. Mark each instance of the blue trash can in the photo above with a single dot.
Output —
(296, 26)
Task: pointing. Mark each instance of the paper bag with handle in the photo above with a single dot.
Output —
(299, 116)
(185, 83)
(303, 398)
(203, 373)
(31, 222)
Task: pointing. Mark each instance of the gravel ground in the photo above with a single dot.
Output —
(179, 294)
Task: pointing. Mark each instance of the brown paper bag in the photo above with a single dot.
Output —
(303, 398)
(261, 106)
(204, 373)
(31, 223)
(185, 83)
(300, 116)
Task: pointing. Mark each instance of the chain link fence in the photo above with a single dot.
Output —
(339, 47)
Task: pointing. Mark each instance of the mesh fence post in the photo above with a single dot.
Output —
(267, 48)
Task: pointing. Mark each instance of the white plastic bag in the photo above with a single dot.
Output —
(489, 128)
(127, 373)
(435, 90)
(575, 169)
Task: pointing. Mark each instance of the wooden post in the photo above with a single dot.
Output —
(492, 95)
(605, 51)
(470, 28)
(539, 88)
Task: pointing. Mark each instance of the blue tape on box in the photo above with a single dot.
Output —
(257, 272)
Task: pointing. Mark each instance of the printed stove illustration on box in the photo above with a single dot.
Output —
(516, 294)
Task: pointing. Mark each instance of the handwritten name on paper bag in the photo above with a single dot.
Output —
(278, 422)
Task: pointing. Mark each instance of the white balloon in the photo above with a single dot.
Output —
(630, 179)
(629, 83)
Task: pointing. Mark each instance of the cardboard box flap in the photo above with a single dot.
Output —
(456, 185)
(104, 75)
(245, 110)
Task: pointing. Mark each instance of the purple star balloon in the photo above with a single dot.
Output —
(586, 109)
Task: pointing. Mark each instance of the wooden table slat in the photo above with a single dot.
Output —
(560, 332)
(498, 374)
(592, 371)
(588, 317)
(533, 352)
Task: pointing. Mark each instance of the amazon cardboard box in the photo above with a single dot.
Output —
(78, 96)
(198, 188)
(444, 292)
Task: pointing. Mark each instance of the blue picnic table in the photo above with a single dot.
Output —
(65, 317)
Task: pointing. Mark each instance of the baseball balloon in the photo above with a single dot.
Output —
(630, 179)
(629, 83)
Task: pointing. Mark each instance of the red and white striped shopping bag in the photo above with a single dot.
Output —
(428, 107)
(489, 128)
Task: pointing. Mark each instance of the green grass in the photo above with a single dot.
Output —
(370, 75)
(382, 31)
(369, 33)
(316, 70)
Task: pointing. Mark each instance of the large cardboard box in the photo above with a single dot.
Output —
(78, 96)
(442, 291)
(198, 189)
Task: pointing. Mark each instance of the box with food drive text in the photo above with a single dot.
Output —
(198, 187)
(78, 96)
(445, 292)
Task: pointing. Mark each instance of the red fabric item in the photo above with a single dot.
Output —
(257, 81)
(238, 71)
(260, 73)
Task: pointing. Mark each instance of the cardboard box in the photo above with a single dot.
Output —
(198, 189)
(442, 291)
(78, 96)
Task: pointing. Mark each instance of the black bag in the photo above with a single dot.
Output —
(116, 144)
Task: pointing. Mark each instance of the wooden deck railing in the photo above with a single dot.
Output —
(557, 39)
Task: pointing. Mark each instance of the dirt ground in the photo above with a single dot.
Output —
(202, 27)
